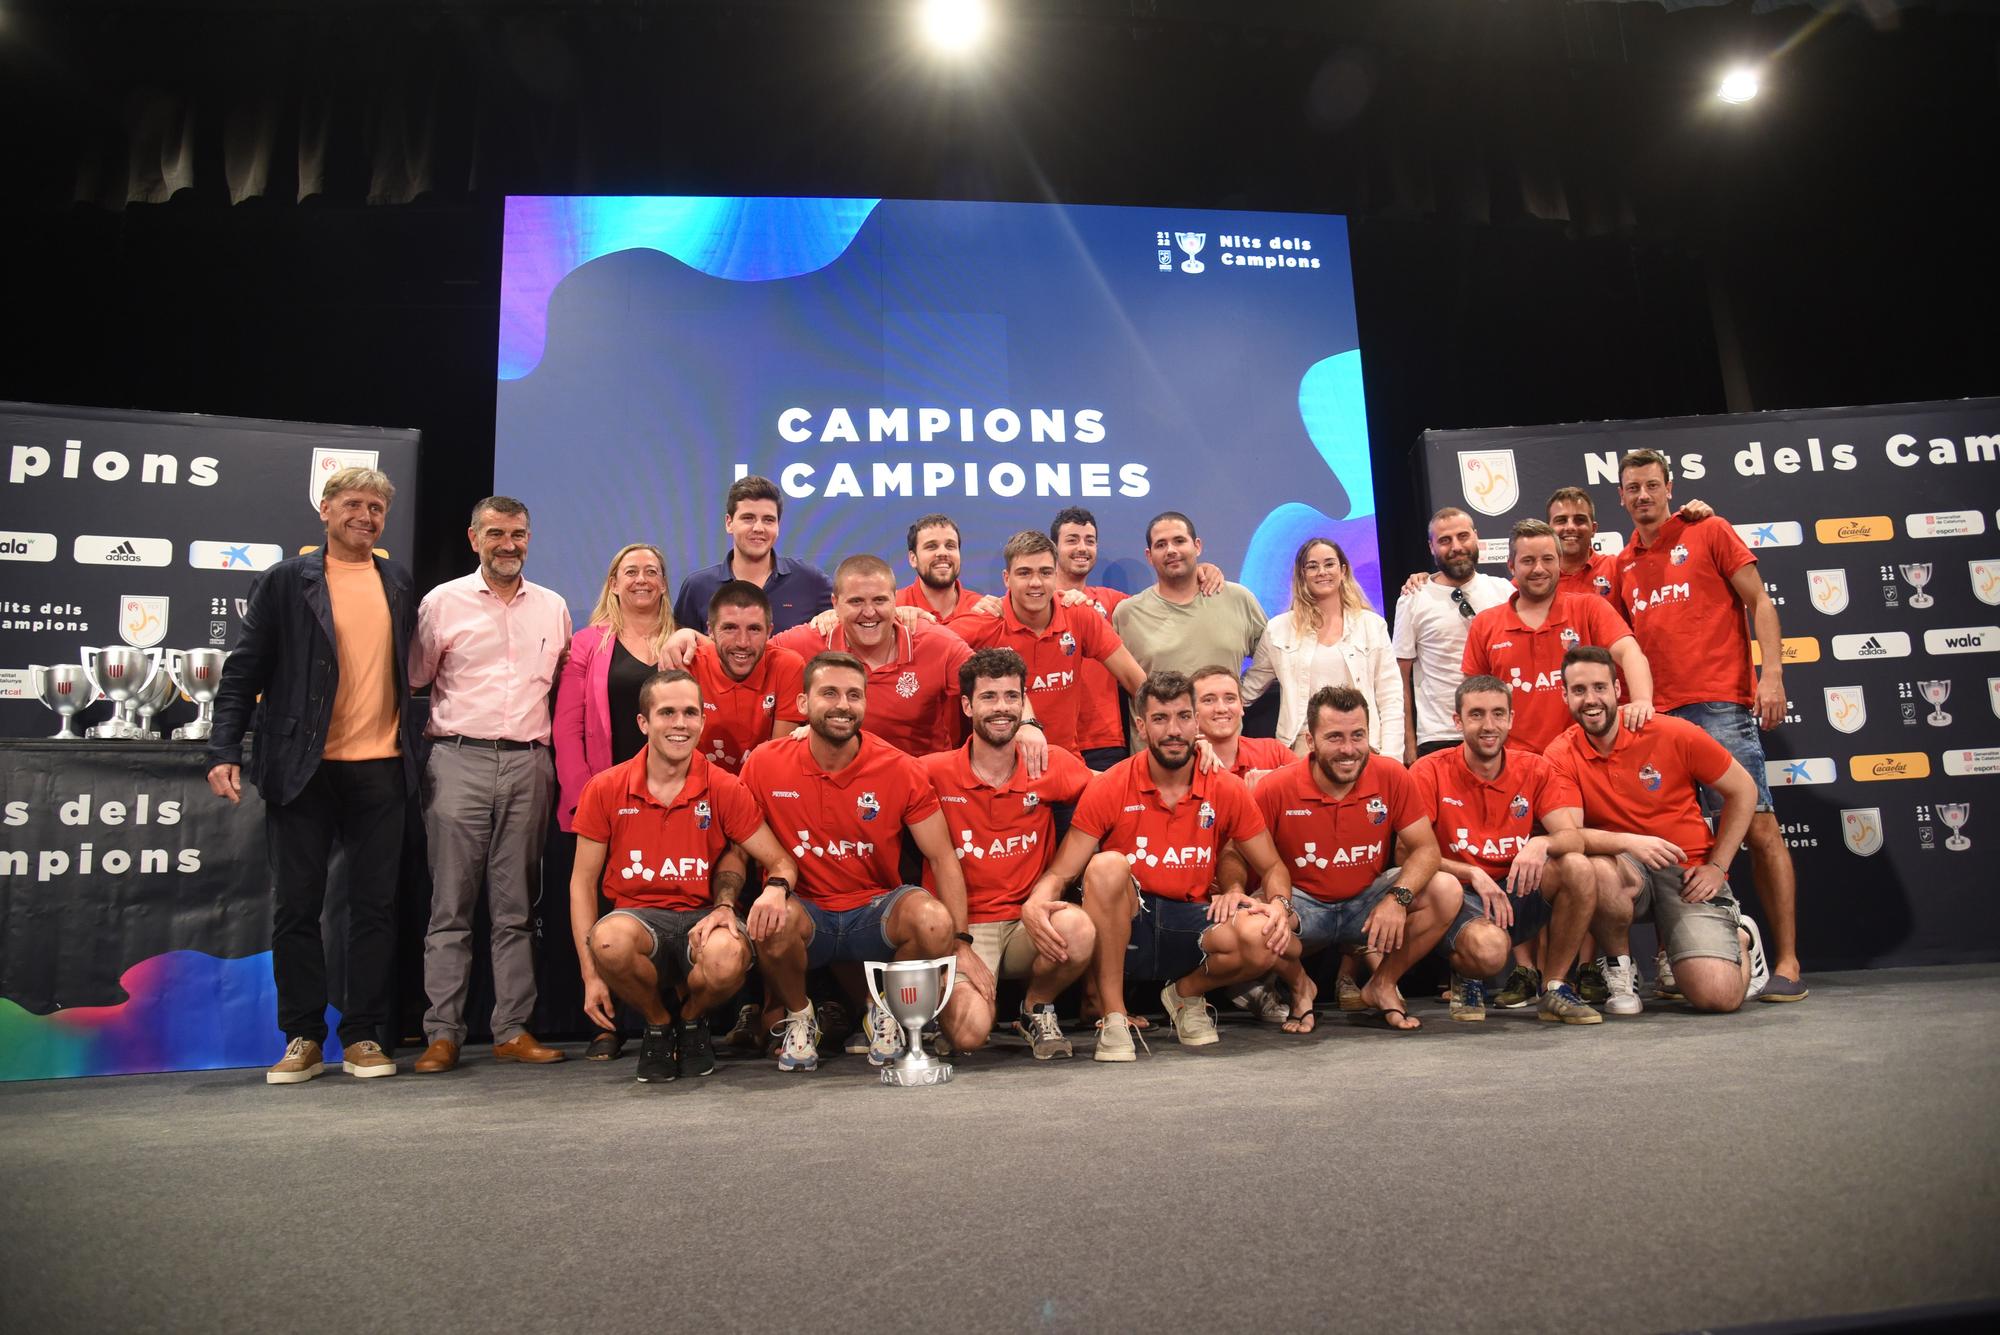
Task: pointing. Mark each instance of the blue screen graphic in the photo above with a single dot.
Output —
(882, 359)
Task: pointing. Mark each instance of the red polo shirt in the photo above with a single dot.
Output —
(912, 595)
(1172, 850)
(1647, 784)
(1254, 753)
(846, 828)
(661, 857)
(1488, 822)
(1529, 658)
(1687, 616)
(738, 715)
(1336, 847)
(1055, 656)
(1100, 719)
(1004, 836)
(913, 698)
(1599, 575)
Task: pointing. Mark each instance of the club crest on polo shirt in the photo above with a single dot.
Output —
(1570, 637)
(1679, 555)
(702, 813)
(1068, 643)
(1603, 586)
(1029, 801)
(1205, 817)
(1378, 810)
(1650, 777)
(1518, 808)
(869, 805)
(770, 702)
(906, 685)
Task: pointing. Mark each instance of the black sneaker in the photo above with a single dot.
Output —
(697, 1053)
(657, 1062)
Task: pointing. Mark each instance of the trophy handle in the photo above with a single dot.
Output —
(869, 969)
(159, 665)
(177, 665)
(950, 980)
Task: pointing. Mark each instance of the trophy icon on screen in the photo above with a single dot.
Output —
(1191, 242)
(1953, 814)
(1935, 693)
(65, 688)
(198, 672)
(1918, 574)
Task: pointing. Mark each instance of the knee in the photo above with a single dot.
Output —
(1711, 998)
(724, 958)
(928, 919)
(1079, 933)
(1573, 876)
(612, 946)
(1105, 877)
(1481, 949)
(1244, 938)
(1442, 894)
(1764, 834)
(968, 1026)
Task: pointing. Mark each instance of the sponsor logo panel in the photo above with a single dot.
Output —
(1855, 528)
(98, 549)
(1880, 644)
(1803, 649)
(1776, 533)
(1972, 760)
(18, 546)
(1889, 765)
(1962, 640)
(1797, 773)
(247, 556)
(1945, 524)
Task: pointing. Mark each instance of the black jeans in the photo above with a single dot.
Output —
(360, 803)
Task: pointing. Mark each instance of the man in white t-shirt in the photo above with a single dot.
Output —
(1429, 639)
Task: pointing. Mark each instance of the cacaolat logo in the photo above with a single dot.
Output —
(1803, 649)
(1889, 765)
(1855, 528)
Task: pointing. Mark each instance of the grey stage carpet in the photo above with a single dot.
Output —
(1666, 1172)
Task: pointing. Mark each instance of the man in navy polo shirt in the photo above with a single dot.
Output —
(797, 589)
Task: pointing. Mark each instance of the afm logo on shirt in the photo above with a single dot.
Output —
(1889, 765)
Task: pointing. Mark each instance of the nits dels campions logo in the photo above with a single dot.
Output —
(1489, 479)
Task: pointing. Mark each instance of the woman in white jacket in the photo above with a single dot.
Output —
(1329, 637)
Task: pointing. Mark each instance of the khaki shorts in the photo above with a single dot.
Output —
(1705, 931)
(1004, 947)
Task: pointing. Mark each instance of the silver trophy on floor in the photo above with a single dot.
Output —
(913, 992)
(122, 674)
(65, 688)
(198, 672)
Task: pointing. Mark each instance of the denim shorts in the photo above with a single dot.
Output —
(669, 929)
(1341, 922)
(852, 935)
(1166, 938)
(1531, 915)
(1736, 728)
(1703, 931)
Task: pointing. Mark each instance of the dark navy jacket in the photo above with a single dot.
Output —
(285, 653)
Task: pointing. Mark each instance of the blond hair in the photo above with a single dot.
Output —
(1305, 609)
(359, 479)
(609, 614)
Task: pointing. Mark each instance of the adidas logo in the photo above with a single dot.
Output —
(124, 551)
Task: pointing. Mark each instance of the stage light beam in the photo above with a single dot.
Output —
(1739, 85)
(952, 26)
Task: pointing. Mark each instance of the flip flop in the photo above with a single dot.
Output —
(604, 1048)
(1301, 1024)
(1381, 1019)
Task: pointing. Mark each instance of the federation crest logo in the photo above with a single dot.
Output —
(1846, 708)
(1602, 585)
(906, 685)
(1378, 811)
(1206, 817)
(1679, 555)
(770, 702)
(1828, 589)
(1029, 801)
(1650, 777)
(1068, 643)
(702, 813)
(142, 620)
(869, 806)
(1570, 637)
(325, 463)
(1491, 483)
(1861, 829)
(1986, 581)
(1518, 808)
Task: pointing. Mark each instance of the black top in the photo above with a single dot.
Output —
(621, 693)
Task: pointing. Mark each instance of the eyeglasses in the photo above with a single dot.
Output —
(1323, 567)
(1463, 603)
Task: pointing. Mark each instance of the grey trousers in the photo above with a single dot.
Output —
(485, 814)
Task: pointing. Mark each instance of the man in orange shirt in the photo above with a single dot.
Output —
(841, 799)
(1655, 856)
(1006, 827)
(1687, 589)
(1146, 840)
(934, 556)
(750, 688)
(671, 816)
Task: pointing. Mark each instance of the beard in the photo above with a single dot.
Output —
(1169, 762)
(1460, 565)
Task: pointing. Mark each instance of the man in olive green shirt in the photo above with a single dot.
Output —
(1171, 627)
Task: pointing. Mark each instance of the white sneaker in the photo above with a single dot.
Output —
(1621, 982)
(1760, 965)
(1114, 1040)
(798, 1048)
(1194, 1020)
(1263, 1000)
(885, 1036)
(1664, 986)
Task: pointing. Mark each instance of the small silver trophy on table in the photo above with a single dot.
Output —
(158, 695)
(198, 672)
(65, 688)
(1935, 694)
(1954, 814)
(913, 992)
(123, 674)
(1919, 574)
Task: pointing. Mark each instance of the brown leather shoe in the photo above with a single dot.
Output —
(524, 1047)
(441, 1055)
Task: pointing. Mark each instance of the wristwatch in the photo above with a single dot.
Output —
(1402, 894)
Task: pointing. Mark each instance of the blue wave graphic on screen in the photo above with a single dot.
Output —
(744, 240)
(1334, 409)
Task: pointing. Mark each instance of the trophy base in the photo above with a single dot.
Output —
(1921, 600)
(914, 1077)
(1938, 720)
(113, 732)
(65, 735)
(191, 732)
(1958, 843)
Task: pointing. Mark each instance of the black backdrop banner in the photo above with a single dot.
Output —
(148, 529)
(1879, 541)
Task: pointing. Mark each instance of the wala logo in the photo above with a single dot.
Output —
(327, 462)
(1962, 640)
(1855, 528)
(1491, 482)
(27, 546)
(1986, 581)
(1607, 543)
(1828, 589)
(142, 620)
(1888, 766)
(1861, 829)
(97, 549)
(1882, 644)
(1945, 524)
(1846, 708)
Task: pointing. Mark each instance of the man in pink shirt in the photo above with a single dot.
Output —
(489, 645)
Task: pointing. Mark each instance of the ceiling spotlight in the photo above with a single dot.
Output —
(952, 25)
(1738, 86)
